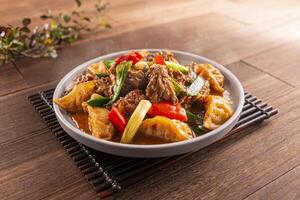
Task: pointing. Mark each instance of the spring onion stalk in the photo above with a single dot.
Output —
(135, 121)
(196, 86)
(177, 87)
(198, 129)
(194, 118)
(177, 67)
(97, 100)
(108, 63)
(100, 75)
(121, 74)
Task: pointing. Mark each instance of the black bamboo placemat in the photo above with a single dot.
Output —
(109, 174)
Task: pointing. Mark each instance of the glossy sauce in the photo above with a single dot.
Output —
(81, 121)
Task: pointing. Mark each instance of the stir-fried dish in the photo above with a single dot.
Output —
(147, 98)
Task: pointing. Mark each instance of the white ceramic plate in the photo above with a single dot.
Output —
(232, 85)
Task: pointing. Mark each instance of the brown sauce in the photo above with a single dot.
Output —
(81, 121)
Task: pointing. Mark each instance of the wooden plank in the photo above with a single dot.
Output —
(222, 49)
(282, 62)
(263, 12)
(39, 177)
(28, 147)
(10, 80)
(285, 187)
(121, 21)
(18, 118)
(233, 168)
(79, 190)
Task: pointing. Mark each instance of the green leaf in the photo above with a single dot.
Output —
(78, 3)
(26, 21)
(66, 18)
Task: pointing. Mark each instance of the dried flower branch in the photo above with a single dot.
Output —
(44, 41)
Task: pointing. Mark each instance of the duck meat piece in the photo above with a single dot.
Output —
(187, 101)
(84, 78)
(128, 103)
(160, 87)
(136, 79)
(105, 86)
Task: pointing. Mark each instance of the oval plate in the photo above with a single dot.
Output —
(232, 85)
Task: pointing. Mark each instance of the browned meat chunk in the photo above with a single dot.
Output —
(105, 86)
(160, 87)
(136, 79)
(84, 78)
(128, 103)
(187, 101)
(168, 56)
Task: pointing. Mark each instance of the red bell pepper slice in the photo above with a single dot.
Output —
(133, 56)
(118, 119)
(159, 59)
(169, 110)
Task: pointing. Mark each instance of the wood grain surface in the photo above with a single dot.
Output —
(259, 41)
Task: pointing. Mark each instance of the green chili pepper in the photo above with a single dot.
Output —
(177, 67)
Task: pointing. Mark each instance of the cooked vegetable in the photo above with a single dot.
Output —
(98, 101)
(135, 121)
(177, 66)
(177, 87)
(168, 129)
(196, 123)
(141, 65)
(99, 124)
(134, 57)
(98, 68)
(72, 102)
(166, 109)
(100, 75)
(213, 75)
(196, 86)
(118, 119)
(121, 74)
(159, 59)
(199, 129)
(218, 110)
(108, 63)
(193, 118)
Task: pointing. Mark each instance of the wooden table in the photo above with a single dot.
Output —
(258, 40)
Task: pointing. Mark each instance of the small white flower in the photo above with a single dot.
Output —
(46, 26)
